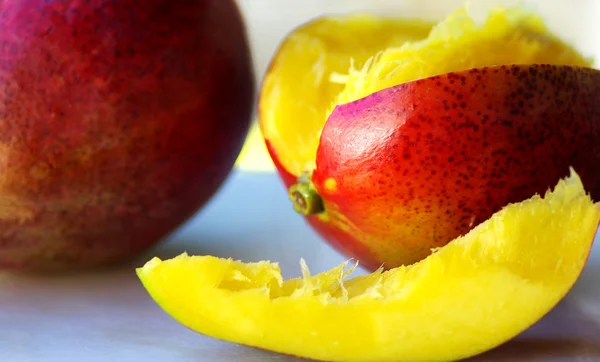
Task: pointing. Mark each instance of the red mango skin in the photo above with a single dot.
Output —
(118, 121)
(414, 166)
(338, 238)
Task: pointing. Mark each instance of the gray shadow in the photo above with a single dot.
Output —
(251, 219)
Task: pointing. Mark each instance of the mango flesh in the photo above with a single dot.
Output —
(431, 161)
(296, 90)
(475, 293)
(118, 121)
(334, 60)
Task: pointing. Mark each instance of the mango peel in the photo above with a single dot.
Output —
(440, 172)
(475, 293)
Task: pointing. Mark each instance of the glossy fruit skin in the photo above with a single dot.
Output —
(118, 121)
(414, 166)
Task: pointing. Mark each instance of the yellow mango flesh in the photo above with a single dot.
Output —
(468, 297)
(338, 60)
(296, 91)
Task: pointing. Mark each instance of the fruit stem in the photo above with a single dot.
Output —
(305, 199)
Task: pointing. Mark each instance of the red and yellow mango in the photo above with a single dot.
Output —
(423, 140)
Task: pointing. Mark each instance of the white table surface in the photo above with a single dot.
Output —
(108, 316)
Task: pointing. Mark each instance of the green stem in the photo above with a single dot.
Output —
(305, 199)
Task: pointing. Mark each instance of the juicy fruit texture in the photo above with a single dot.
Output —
(319, 66)
(296, 90)
(400, 170)
(457, 148)
(118, 120)
(475, 293)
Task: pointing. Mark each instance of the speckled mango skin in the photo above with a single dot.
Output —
(411, 167)
(118, 121)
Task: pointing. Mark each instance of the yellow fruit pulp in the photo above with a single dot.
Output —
(296, 90)
(469, 296)
(332, 61)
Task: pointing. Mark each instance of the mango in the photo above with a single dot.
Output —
(475, 293)
(421, 141)
(118, 121)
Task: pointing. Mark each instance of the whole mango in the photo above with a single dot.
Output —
(118, 121)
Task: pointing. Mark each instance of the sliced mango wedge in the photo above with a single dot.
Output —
(469, 296)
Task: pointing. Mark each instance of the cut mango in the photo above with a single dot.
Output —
(336, 60)
(297, 89)
(468, 297)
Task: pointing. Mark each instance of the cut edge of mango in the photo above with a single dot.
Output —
(248, 303)
(296, 147)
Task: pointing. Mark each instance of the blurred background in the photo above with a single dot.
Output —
(269, 21)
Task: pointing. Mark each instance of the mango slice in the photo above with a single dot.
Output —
(469, 296)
